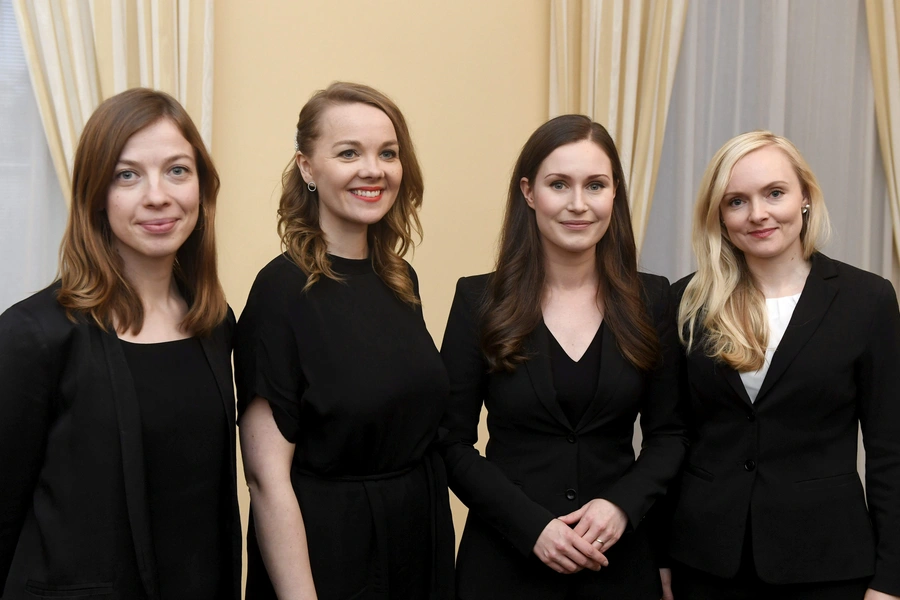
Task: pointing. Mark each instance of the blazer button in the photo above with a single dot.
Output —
(750, 464)
(751, 417)
(571, 438)
(571, 494)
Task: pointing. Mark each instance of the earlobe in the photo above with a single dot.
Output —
(526, 191)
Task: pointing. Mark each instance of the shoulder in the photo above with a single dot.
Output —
(280, 271)
(37, 323)
(654, 286)
(473, 285)
(679, 286)
(847, 275)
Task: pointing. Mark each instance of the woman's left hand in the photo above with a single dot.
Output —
(873, 595)
(600, 522)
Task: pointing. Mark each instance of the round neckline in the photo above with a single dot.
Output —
(791, 297)
(147, 344)
(351, 266)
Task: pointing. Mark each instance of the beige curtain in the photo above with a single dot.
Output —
(883, 18)
(81, 52)
(614, 60)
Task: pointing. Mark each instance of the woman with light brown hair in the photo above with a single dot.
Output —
(116, 414)
(340, 387)
(789, 355)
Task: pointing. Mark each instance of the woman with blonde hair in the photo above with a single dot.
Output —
(788, 353)
(117, 416)
(340, 386)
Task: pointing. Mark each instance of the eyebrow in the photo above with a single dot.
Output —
(173, 158)
(771, 184)
(565, 176)
(358, 143)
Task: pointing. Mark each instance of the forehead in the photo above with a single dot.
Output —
(160, 137)
(358, 122)
(584, 156)
(761, 167)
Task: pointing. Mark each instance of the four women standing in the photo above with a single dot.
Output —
(116, 429)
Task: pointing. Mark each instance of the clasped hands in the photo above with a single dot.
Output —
(577, 540)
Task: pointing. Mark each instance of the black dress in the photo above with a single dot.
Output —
(355, 382)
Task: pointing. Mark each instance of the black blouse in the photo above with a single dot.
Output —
(184, 442)
(575, 380)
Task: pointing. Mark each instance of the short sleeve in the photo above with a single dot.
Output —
(266, 357)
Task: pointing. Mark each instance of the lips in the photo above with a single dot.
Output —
(762, 234)
(368, 194)
(576, 224)
(159, 225)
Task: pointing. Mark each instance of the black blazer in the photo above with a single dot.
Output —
(74, 519)
(539, 466)
(786, 464)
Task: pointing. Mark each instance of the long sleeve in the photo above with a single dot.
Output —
(878, 381)
(26, 391)
(480, 484)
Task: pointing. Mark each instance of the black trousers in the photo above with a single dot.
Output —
(692, 584)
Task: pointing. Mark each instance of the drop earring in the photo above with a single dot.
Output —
(311, 186)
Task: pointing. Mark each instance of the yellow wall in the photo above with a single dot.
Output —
(471, 77)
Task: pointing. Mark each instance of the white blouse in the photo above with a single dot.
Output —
(780, 311)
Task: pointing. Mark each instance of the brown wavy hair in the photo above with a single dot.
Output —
(90, 269)
(298, 213)
(511, 308)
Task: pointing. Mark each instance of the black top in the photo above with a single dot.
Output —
(575, 380)
(355, 382)
(184, 457)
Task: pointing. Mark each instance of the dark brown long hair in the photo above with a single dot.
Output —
(91, 270)
(298, 212)
(512, 305)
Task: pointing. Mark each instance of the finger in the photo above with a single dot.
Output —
(564, 564)
(590, 551)
(572, 517)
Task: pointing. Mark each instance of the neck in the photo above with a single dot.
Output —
(347, 242)
(153, 281)
(781, 276)
(564, 271)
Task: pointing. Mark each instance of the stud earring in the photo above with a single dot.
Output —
(806, 209)
(311, 186)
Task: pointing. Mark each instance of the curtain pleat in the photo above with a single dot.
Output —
(614, 60)
(80, 53)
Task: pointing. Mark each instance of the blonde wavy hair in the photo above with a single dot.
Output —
(298, 213)
(722, 301)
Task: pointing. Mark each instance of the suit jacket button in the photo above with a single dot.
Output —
(750, 464)
(571, 438)
(751, 417)
(571, 494)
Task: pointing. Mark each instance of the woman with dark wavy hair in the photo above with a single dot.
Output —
(117, 415)
(565, 343)
(340, 386)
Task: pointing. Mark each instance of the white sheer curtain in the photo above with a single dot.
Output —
(799, 68)
(32, 210)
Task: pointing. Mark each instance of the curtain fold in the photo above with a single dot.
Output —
(615, 60)
(80, 53)
(883, 19)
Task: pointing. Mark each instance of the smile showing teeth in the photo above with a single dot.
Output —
(366, 193)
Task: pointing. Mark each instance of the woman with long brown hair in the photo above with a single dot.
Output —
(340, 386)
(564, 344)
(117, 412)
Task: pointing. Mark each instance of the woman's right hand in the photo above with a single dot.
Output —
(665, 577)
(565, 552)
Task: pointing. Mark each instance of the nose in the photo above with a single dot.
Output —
(758, 211)
(371, 168)
(157, 192)
(576, 201)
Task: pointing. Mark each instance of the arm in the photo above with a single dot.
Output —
(27, 379)
(279, 524)
(665, 441)
(479, 483)
(878, 382)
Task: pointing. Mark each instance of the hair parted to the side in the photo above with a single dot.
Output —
(90, 269)
(722, 308)
(298, 212)
(511, 308)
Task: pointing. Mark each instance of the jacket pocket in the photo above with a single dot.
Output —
(698, 472)
(832, 481)
(73, 590)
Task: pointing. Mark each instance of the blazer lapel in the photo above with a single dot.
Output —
(734, 380)
(541, 374)
(130, 438)
(611, 364)
(818, 293)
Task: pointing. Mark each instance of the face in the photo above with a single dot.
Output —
(763, 204)
(154, 198)
(572, 197)
(355, 164)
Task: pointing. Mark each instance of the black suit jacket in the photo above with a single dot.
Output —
(539, 466)
(74, 520)
(788, 460)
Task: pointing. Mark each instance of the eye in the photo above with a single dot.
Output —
(125, 176)
(348, 154)
(734, 202)
(558, 185)
(180, 171)
(776, 194)
(596, 186)
(388, 154)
